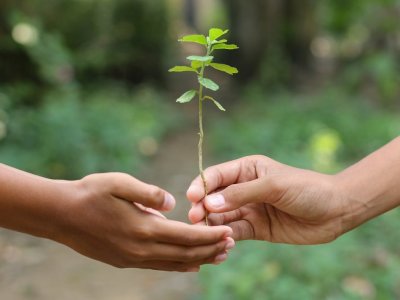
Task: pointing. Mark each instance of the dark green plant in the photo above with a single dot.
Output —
(198, 65)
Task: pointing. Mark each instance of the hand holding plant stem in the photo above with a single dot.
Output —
(198, 65)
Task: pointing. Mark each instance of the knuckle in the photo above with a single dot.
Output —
(143, 231)
(232, 194)
(138, 253)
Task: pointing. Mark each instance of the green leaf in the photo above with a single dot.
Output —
(194, 38)
(182, 69)
(215, 33)
(224, 68)
(196, 64)
(209, 84)
(200, 58)
(219, 42)
(187, 97)
(225, 47)
(220, 107)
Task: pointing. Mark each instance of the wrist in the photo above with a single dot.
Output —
(65, 210)
(370, 187)
(354, 207)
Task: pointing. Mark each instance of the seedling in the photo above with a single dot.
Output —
(198, 65)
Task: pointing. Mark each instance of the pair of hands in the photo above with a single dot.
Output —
(252, 198)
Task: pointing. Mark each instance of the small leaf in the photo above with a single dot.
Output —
(219, 42)
(182, 69)
(194, 38)
(196, 64)
(215, 33)
(224, 68)
(200, 58)
(209, 84)
(220, 107)
(225, 47)
(187, 97)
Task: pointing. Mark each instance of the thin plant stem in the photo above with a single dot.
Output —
(201, 133)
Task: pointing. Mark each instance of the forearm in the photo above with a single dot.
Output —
(32, 204)
(372, 186)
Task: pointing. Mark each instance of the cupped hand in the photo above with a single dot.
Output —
(262, 199)
(115, 218)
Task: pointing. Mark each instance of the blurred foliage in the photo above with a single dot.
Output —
(356, 43)
(297, 129)
(121, 39)
(70, 99)
(67, 137)
(366, 42)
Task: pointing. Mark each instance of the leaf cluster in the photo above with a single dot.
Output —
(198, 64)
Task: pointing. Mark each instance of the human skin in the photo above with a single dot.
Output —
(110, 217)
(262, 199)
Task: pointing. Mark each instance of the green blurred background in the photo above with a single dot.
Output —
(84, 88)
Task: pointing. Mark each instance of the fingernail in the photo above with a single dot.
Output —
(230, 245)
(220, 258)
(169, 201)
(195, 191)
(216, 200)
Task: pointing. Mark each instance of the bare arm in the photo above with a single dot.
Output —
(260, 198)
(110, 217)
(371, 185)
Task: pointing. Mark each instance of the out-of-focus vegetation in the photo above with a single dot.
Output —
(73, 133)
(325, 131)
(82, 89)
(80, 85)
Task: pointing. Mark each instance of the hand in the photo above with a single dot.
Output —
(113, 218)
(262, 199)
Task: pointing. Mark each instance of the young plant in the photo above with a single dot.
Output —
(198, 65)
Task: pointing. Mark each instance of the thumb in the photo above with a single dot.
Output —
(237, 195)
(130, 189)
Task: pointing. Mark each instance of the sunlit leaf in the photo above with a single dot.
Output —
(182, 69)
(200, 58)
(196, 64)
(219, 42)
(194, 38)
(187, 97)
(215, 33)
(224, 68)
(225, 47)
(209, 84)
(220, 107)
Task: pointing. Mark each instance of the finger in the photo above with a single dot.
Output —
(235, 196)
(197, 212)
(149, 210)
(216, 176)
(179, 233)
(187, 254)
(216, 219)
(179, 266)
(242, 230)
(129, 188)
